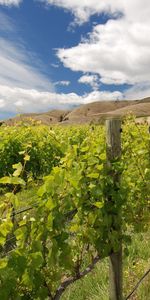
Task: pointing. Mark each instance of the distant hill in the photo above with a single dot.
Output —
(95, 111)
(139, 110)
(50, 117)
(87, 112)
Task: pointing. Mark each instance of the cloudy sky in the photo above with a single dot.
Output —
(62, 53)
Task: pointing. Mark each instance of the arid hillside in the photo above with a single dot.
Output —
(50, 117)
(96, 111)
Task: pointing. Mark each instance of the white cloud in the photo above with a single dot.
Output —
(6, 23)
(17, 67)
(10, 2)
(92, 80)
(117, 51)
(21, 73)
(62, 82)
(82, 10)
(101, 96)
(138, 91)
(16, 100)
(55, 65)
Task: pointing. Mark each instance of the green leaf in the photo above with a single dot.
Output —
(18, 263)
(3, 263)
(5, 180)
(20, 233)
(13, 199)
(17, 180)
(22, 152)
(18, 168)
(100, 167)
(2, 240)
(36, 259)
(50, 221)
(99, 204)
(93, 175)
(50, 204)
(27, 157)
(6, 227)
(103, 156)
(12, 180)
(74, 228)
(92, 186)
(27, 279)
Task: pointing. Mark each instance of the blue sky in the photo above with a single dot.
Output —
(61, 53)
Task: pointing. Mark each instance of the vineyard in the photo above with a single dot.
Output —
(82, 205)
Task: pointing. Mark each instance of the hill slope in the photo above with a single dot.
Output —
(87, 113)
(50, 117)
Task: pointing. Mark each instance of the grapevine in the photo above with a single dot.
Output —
(47, 245)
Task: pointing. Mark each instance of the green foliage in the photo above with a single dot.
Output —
(35, 145)
(73, 219)
(95, 286)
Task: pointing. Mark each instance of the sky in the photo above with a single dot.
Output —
(64, 53)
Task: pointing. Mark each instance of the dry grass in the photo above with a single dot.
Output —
(87, 113)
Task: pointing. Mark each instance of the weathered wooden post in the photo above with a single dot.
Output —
(113, 142)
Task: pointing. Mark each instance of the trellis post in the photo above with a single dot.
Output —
(113, 145)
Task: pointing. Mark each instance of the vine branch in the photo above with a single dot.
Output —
(72, 279)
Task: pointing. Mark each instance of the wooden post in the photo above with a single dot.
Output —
(113, 142)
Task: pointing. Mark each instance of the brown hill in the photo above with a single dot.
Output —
(50, 117)
(96, 111)
(139, 110)
(145, 100)
(85, 112)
